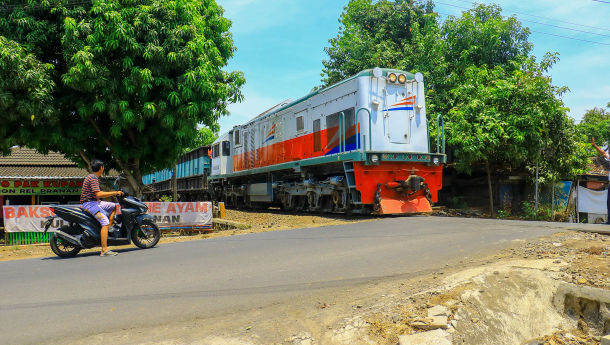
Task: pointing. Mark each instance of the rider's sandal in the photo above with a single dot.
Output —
(108, 253)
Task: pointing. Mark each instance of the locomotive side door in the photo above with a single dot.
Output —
(398, 112)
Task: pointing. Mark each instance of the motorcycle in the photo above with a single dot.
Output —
(83, 232)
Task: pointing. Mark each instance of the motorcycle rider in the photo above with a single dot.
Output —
(90, 201)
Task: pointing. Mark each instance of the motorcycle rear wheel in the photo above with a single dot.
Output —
(63, 248)
(143, 241)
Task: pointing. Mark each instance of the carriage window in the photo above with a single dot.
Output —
(226, 148)
(300, 124)
(317, 142)
(215, 150)
(237, 137)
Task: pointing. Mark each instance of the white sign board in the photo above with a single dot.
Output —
(592, 201)
(24, 218)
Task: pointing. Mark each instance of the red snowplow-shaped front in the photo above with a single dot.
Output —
(398, 187)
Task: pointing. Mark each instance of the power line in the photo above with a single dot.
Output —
(546, 18)
(605, 2)
(550, 34)
(572, 38)
(532, 21)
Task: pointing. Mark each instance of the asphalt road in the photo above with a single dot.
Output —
(47, 299)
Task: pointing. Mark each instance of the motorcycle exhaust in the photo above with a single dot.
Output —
(68, 238)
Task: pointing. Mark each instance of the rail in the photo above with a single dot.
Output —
(370, 125)
(440, 125)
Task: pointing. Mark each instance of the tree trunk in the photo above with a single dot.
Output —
(86, 160)
(491, 199)
(135, 182)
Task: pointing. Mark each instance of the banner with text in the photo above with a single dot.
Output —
(40, 187)
(24, 218)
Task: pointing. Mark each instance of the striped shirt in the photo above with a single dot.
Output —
(91, 185)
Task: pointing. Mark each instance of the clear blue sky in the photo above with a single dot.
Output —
(280, 47)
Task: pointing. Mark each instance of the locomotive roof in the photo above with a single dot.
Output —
(279, 107)
(365, 73)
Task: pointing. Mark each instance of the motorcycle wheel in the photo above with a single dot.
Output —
(143, 241)
(63, 248)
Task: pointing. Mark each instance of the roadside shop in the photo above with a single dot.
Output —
(30, 178)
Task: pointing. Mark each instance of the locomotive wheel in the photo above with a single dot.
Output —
(301, 203)
(287, 202)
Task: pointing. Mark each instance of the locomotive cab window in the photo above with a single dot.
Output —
(300, 124)
(237, 142)
(226, 148)
(215, 150)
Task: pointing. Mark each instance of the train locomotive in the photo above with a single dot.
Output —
(359, 146)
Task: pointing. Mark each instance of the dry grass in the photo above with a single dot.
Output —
(595, 250)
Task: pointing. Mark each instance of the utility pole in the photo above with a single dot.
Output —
(536, 204)
(175, 183)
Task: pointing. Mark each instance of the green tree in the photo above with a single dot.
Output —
(133, 78)
(510, 120)
(595, 123)
(25, 95)
(205, 137)
(372, 34)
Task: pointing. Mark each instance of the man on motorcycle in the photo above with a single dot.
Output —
(90, 201)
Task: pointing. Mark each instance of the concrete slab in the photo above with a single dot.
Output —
(436, 337)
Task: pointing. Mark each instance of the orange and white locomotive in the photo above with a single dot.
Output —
(359, 146)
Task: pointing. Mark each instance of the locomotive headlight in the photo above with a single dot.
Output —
(402, 78)
(435, 161)
(392, 77)
(374, 158)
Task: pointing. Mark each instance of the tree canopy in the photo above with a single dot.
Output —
(498, 102)
(131, 79)
(595, 123)
(25, 94)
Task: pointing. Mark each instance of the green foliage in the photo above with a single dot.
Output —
(372, 34)
(503, 214)
(25, 95)
(133, 79)
(543, 213)
(458, 202)
(595, 124)
(165, 198)
(513, 119)
(205, 137)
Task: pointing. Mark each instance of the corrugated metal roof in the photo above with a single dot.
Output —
(598, 166)
(27, 163)
(29, 157)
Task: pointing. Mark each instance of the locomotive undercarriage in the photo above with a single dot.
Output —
(330, 188)
(323, 190)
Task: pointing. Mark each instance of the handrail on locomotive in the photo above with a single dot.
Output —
(370, 125)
